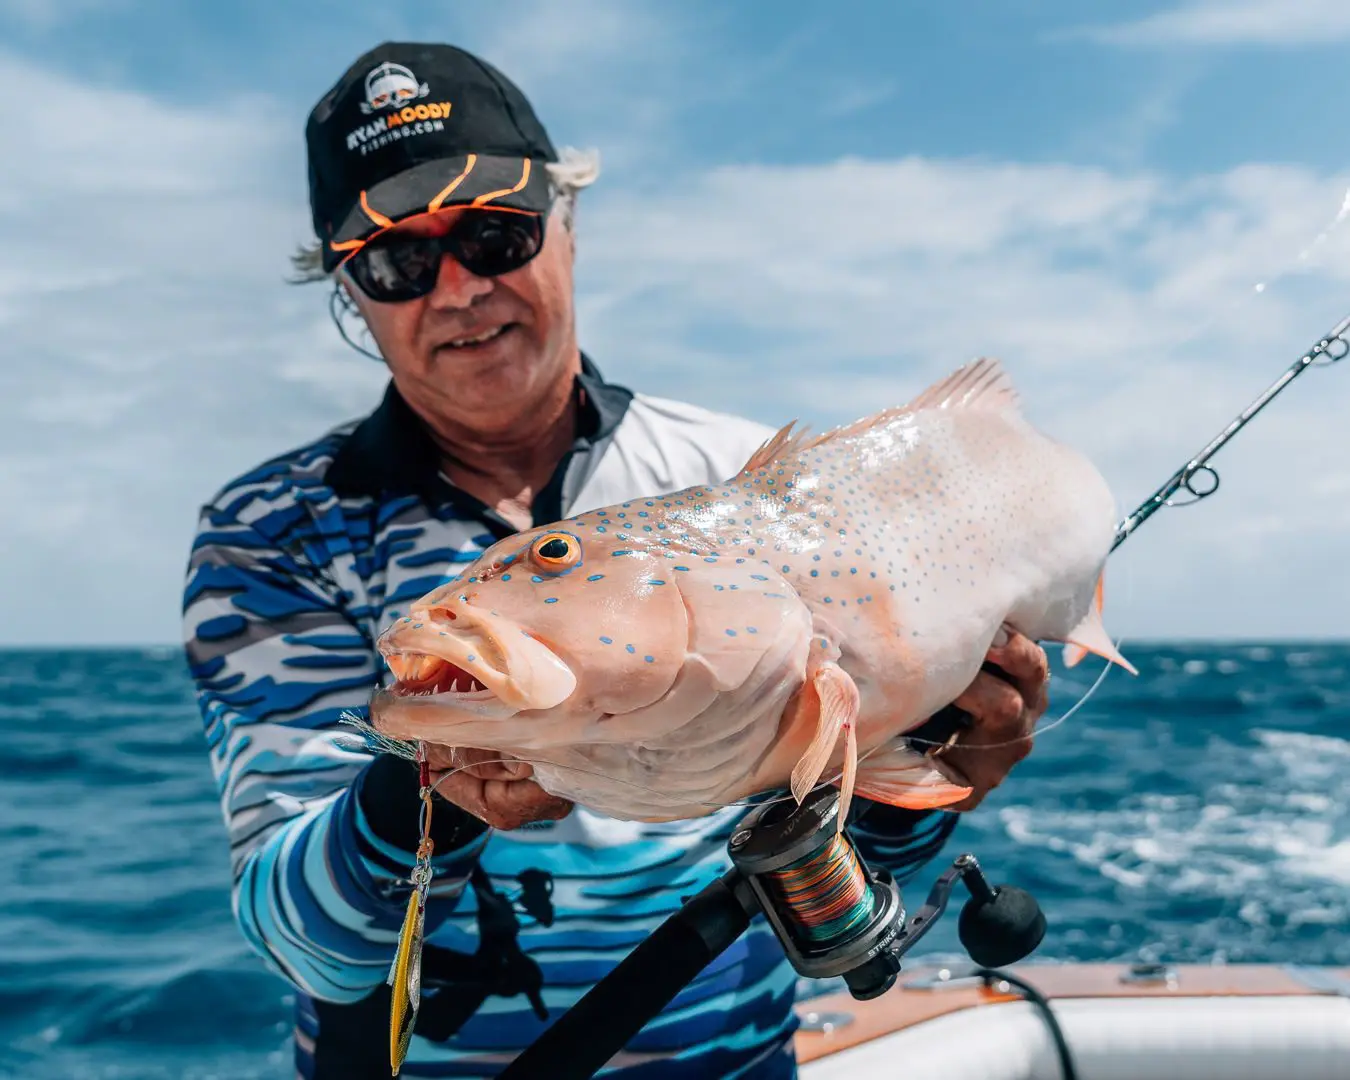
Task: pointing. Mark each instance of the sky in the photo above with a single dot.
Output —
(804, 213)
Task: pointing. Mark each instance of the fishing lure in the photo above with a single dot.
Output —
(405, 974)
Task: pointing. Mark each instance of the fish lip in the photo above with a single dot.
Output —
(478, 644)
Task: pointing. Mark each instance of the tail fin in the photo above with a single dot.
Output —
(1090, 636)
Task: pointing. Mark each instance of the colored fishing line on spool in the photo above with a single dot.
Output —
(825, 892)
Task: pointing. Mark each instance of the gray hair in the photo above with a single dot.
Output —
(573, 171)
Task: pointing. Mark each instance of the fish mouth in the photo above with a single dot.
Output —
(421, 675)
(474, 661)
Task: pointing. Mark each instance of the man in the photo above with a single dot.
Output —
(444, 216)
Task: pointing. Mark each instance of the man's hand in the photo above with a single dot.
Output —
(1002, 712)
(502, 794)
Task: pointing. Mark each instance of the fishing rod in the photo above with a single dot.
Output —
(1329, 349)
(833, 914)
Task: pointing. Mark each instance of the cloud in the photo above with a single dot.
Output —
(1233, 22)
(154, 349)
(1123, 304)
(43, 16)
(151, 346)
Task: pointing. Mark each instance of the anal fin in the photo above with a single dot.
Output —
(900, 777)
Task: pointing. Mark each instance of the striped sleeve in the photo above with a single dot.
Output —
(319, 858)
(903, 841)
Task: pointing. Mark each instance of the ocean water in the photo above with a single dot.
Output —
(1197, 813)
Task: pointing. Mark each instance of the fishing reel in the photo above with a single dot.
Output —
(836, 916)
(833, 915)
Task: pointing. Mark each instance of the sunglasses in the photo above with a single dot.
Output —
(395, 269)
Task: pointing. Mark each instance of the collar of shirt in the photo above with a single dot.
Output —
(390, 453)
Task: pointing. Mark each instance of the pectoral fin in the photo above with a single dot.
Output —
(838, 704)
(900, 777)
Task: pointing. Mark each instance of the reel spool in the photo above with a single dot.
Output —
(836, 916)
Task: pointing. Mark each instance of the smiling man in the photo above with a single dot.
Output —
(444, 217)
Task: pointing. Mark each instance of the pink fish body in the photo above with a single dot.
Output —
(668, 656)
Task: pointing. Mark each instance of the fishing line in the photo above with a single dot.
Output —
(1263, 287)
(825, 893)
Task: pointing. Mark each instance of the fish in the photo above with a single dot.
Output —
(665, 657)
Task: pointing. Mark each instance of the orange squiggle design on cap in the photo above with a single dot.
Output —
(449, 188)
(524, 179)
(375, 215)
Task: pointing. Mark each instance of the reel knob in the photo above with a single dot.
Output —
(1001, 928)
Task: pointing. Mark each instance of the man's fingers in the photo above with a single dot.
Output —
(503, 804)
(1026, 664)
(996, 708)
(521, 801)
(480, 764)
(998, 739)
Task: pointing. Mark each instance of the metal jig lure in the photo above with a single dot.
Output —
(405, 974)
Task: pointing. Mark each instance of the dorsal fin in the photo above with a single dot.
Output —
(980, 384)
(783, 444)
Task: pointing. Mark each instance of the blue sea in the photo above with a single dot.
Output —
(1197, 813)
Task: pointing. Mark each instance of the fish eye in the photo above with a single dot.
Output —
(556, 551)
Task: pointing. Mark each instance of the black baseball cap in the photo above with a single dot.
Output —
(411, 128)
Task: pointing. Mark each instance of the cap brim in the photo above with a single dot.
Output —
(472, 180)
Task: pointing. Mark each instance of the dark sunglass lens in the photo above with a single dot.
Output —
(493, 244)
(397, 269)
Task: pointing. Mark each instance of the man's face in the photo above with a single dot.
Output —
(475, 350)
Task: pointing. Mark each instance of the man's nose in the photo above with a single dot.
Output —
(456, 287)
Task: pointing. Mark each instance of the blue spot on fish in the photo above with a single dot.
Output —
(630, 648)
(595, 577)
(471, 658)
(649, 659)
(731, 633)
(551, 600)
(607, 641)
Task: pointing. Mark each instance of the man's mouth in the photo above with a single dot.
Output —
(470, 341)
